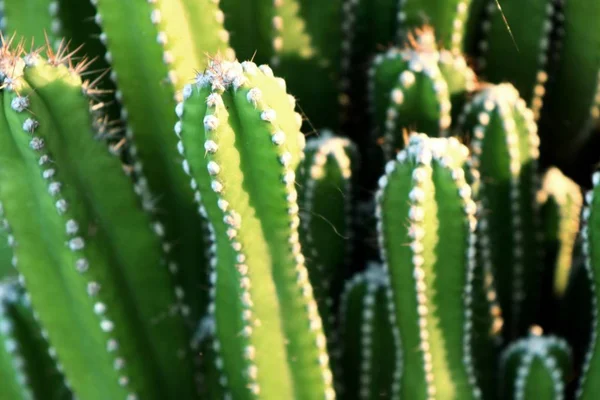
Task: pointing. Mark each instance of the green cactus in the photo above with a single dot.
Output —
(575, 72)
(417, 88)
(325, 197)
(517, 31)
(153, 49)
(447, 17)
(27, 369)
(79, 231)
(504, 145)
(370, 353)
(561, 202)
(425, 223)
(535, 367)
(32, 21)
(241, 144)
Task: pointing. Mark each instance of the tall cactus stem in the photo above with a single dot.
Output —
(426, 184)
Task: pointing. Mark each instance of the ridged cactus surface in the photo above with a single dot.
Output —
(504, 142)
(70, 207)
(369, 353)
(536, 367)
(426, 224)
(241, 144)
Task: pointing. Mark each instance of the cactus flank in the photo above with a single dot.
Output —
(69, 215)
(505, 144)
(370, 355)
(241, 143)
(27, 367)
(424, 201)
(535, 367)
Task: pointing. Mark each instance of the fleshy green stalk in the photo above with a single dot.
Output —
(27, 369)
(370, 352)
(561, 202)
(504, 144)
(536, 367)
(426, 224)
(79, 236)
(447, 17)
(417, 88)
(153, 49)
(325, 196)
(241, 143)
(517, 31)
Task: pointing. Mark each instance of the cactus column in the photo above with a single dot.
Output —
(241, 143)
(426, 223)
(79, 231)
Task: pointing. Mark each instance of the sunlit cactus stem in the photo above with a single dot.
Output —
(370, 355)
(326, 200)
(561, 202)
(447, 17)
(27, 370)
(535, 367)
(153, 48)
(417, 88)
(241, 144)
(426, 220)
(504, 143)
(77, 230)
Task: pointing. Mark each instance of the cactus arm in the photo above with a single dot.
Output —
(30, 355)
(153, 54)
(561, 203)
(448, 19)
(424, 187)
(505, 152)
(250, 143)
(528, 41)
(31, 20)
(574, 76)
(325, 199)
(535, 367)
(370, 353)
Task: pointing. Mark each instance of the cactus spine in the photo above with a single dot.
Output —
(427, 186)
(241, 144)
(153, 49)
(505, 144)
(536, 367)
(417, 88)
(27, 369)
(70, 216)
(526, 38)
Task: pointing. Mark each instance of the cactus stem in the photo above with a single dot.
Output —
(428, 150)
(348, 27)
(76, 243)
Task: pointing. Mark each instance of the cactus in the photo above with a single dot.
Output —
(417, 88)
(325, 197)
(241, 144)
(448, 18)
(504, 144)
(77, 232)
(153, 49)
(27, 369)
(536, 367)
(32, 21)
(517, 31)
(575, 76)
(561, 203)
(431, 278)
(370, 355)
